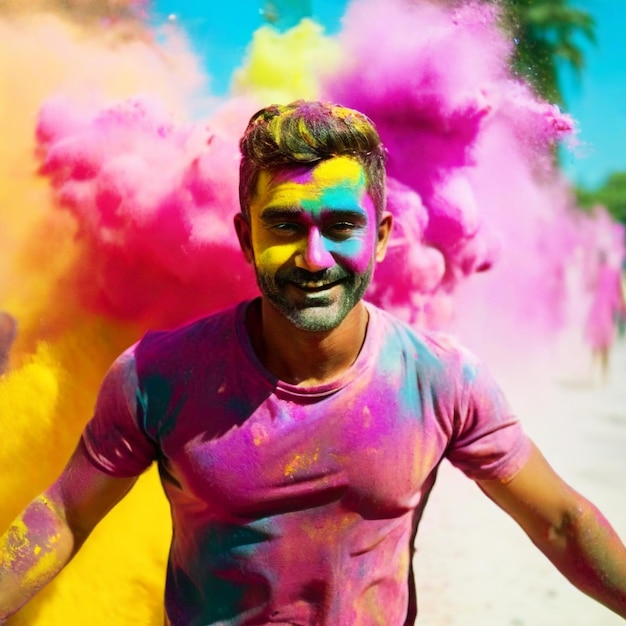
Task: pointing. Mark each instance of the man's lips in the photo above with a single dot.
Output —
(315, 286)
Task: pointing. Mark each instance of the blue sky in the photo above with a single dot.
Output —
(598, 101)
(221, 31)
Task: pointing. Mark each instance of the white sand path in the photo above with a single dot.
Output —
(474, 565)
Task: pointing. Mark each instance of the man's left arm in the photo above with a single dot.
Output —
(567, 528)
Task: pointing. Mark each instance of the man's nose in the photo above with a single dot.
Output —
(315, 255)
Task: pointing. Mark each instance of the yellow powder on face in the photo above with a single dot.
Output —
(338, 172)
(308, 193)
(276, 256)
(342, 170)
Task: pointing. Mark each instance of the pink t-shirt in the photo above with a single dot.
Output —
(298, 505)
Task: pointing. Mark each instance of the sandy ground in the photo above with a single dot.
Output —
(474, 565)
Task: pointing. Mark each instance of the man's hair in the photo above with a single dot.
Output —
(305, 133)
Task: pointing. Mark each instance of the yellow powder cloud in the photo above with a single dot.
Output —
(282, 67)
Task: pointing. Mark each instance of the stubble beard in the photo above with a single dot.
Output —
(321, 314)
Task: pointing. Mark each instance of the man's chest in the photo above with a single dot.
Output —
(373, 448)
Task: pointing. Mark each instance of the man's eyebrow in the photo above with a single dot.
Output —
(273, 213)
(347, 214)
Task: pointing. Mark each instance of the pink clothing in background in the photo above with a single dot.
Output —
(607, 302)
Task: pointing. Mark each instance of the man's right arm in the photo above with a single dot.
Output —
(52, 528)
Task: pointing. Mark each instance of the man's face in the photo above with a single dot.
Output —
(313, 238)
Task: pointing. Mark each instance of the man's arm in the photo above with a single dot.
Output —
(52, 528)
(567, 528)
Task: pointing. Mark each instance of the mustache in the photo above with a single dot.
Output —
(300, 276)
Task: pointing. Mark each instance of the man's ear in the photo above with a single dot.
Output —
(242, 227)
(384, 231)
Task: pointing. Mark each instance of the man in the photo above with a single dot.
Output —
(298, 435)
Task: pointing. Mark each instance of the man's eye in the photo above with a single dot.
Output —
(341, 229)
(285, 229)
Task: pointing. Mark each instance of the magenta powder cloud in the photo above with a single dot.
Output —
(154, 202)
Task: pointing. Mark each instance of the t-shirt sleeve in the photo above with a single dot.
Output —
(113, 439)
(488, 441)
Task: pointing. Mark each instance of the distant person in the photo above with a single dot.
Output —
(621, 320)
(608, 305)
(298, 434)
(8, 332)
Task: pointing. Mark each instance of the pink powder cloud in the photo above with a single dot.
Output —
(153, 201)
(438, 89)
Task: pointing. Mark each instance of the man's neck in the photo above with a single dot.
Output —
(301, 357)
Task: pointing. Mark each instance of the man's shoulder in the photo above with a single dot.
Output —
(201, 335)
(199, 325)
(437, 344)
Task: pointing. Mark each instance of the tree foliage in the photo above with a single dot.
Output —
(612, 195)
(547, 34)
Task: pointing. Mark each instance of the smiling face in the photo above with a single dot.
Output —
(313, 238)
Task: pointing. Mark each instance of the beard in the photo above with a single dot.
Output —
(315, 310)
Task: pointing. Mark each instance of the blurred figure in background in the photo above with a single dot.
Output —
(608, 305)
(8, 331)
(621, 319)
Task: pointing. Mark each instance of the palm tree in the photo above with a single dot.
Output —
(611, 194)
(547, 33)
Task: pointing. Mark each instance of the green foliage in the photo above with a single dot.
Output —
(612, 195)
(546, 33)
